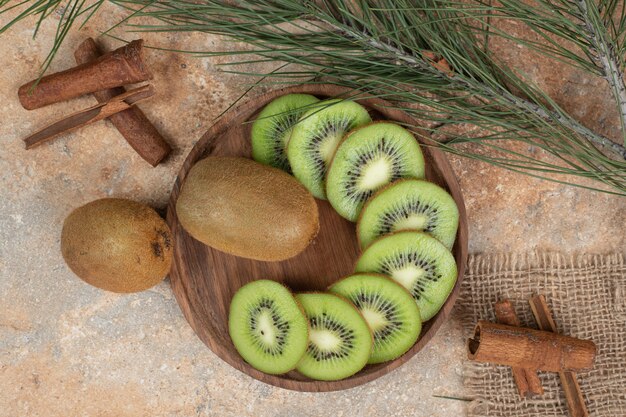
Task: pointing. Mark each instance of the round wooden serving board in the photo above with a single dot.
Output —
(205, 279)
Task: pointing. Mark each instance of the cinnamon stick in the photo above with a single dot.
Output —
(573, 394)
(527, 381)
(528, 348)
(133, 124)
(119, 67)
(89, 115)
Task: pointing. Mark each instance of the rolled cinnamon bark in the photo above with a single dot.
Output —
(573, 394)
(117, 68)
(529, 349)
(133, 124)
(527, 381)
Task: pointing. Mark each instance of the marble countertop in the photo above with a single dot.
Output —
(68, 349)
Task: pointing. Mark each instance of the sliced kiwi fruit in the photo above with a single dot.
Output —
(272, 128)
(340, 341)
(409, 204)
(388, 308)
(367, 159)
(315, 137)
(419, 262)
(268, 327)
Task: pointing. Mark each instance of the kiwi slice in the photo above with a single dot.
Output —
(340, 341)
(272, 128)
(420, 263)
(268, 327)
(409, 204)
(316, 136)
(368, 159)
(388, 308)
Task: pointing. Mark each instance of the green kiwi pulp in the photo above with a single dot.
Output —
(409, 204)
(340, 341)
(388, 308)
(417, 261)
(368, 159)
(272, 128)
(315, 137)
(268, 327)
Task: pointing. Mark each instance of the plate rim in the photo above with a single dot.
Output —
(460, 250)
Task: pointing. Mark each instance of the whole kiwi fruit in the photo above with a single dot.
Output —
(247, 209)
(117, 245)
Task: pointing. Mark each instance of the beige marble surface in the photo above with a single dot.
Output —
(67, 349)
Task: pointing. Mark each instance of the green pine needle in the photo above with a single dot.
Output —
(383, 47)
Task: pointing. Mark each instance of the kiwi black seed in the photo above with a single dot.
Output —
(388, 308)
(340, 341)
(315, 137)
(409, 204)
(367, 159)
(272, 128)
(417, 261)
(267, 326)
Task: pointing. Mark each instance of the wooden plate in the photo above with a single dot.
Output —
(204, 279)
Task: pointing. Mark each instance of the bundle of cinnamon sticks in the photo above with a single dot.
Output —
(527, 351)
(104, 75)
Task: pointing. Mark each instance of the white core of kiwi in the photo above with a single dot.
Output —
(408, 275)
(374, 318)
(375, 174)
(414, 221)
(266, 330)
(325, 339)
(329, 144)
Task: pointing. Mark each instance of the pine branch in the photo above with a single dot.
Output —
(586, 25)
(380, 46)
(489, 93)
(605, 56)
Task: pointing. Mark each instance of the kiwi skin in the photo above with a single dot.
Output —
(247, 209)
(117, 245)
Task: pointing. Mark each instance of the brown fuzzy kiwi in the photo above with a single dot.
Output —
(247, 209)
(117, 245)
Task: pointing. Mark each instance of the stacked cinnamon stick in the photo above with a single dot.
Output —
(103, 75)
(527, 351)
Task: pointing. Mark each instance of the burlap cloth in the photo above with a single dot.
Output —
(587, 296)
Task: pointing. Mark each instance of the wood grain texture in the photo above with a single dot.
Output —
(204, 279)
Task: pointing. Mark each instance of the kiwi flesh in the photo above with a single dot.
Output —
(367, 159)
(268, 327)
(417, 261)
(340, 341)
(315, 137)
(247, 209)
(409, 204)
(117, 245)
(272, 128)
(388, 308)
